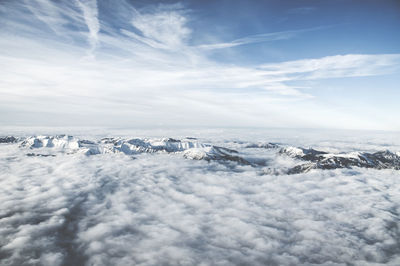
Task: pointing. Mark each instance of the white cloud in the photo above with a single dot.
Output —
(257, 38)
(167, 27)
(54, 16)
(156, 209)
(350, 65)
(144, 67)
(90, 14)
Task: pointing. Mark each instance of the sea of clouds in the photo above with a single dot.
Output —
(163, 209)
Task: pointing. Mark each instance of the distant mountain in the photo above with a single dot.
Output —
(190, 148)
(323, 160)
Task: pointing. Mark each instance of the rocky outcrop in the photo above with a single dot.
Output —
(323, 160)
(8, 139)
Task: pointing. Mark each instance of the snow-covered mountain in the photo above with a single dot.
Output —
(323, 160)
(190, 148)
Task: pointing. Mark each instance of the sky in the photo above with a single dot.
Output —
(140, 64)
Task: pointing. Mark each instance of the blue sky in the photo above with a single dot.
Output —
(308, 64)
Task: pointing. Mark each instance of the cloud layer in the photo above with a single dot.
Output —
(154, 209)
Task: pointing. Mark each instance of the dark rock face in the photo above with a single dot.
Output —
(384, 160)
(302, 168)
(224, 154)
(108, 140)
(173, 140)
(86, 142)
(8, 139)
(268, 145)
(322, 160)
(40, 155)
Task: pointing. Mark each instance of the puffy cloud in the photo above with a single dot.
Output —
(161, 208)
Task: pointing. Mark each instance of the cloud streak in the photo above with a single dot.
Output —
(350, 65)
(258, 38)
(90, 14)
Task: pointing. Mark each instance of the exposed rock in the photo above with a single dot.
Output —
(268, 145)
(323, 160)
(8, 139)
(40, 155)
(304, 154)
(215, 153)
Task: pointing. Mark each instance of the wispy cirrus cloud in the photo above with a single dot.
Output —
(166, 27)
(143, 65)
(257, 38)
(350, 65)
(90, 15)
(33, 15)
